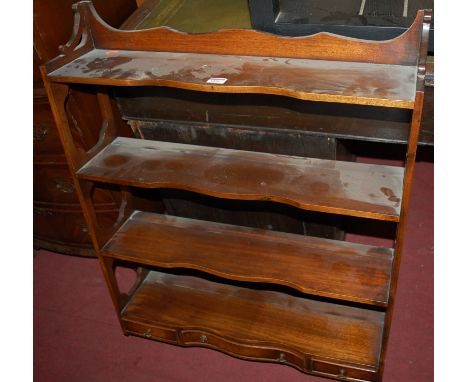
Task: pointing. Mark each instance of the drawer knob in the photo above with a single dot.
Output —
(282, 358)
(41, 212)
(148, 333)
(64, 185)
(342, 374)
(203, 338)
(40, 132)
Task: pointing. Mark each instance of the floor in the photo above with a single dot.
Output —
(77, 336)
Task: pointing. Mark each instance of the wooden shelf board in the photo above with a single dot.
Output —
(328, 268)
(346, 188)
(257, 319)
(315, 80)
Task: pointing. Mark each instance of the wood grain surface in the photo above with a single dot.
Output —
(328, 268)
(401, 50)
(346, 188)
(257, 319)
(317, 80)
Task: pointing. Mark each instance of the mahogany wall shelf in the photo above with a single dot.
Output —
(322, 306)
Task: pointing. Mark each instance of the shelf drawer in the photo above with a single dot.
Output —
(45, 133)
(203, 338)
(151, 331)
(66, 225)
(53, 184)
(341, 372)
(61, 226)
(220, 316)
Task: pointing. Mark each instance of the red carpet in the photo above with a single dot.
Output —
(77, 336)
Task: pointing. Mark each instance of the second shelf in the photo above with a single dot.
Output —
(346, 188)
(322, 267)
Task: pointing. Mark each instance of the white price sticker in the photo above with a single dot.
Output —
(217, 80)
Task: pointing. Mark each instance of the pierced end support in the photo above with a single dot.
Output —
(80, 35)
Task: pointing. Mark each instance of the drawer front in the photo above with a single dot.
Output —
(152, 332)
(54, 184)
(345, 373)
(45, 133)
(67, 227)
(202, 338)
(60, 226)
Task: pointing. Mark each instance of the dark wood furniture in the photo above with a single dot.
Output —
(59, 224)
(322, 306)
(257, 122)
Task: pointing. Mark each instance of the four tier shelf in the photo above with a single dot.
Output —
(322, 306)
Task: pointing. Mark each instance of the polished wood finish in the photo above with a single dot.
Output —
(346, 188)
(256, 214)
(254, 324)
(296, 322)
(321, 267)
(218, 15)
(255, 110)
(313, 80)
(402, 50)
(58, 222)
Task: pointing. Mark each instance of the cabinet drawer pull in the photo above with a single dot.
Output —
(64, 186)
(281, 357)
(342, 374)
(42, 212)
(203, 338)
(148, 333)
(40, 132)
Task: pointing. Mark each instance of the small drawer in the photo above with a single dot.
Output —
(345, 373)
(290, 358)
(196, 337)
(45, 133)
(60, 226)
(66, 226)
(54, 184)
(152, 332)
(251, 351)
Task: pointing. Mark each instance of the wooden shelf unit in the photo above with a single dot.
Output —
(322, 306)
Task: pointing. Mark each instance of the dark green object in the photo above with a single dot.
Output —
(199, 16)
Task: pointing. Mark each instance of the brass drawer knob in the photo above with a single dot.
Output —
(203, 338)
(42, 212)
(342, 374)
(282, 358)
(40, 132)
(64, 185)
(148, 333)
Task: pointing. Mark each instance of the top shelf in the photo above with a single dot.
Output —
(314, 80)
(323, 67)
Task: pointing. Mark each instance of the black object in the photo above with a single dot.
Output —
(365, 19)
